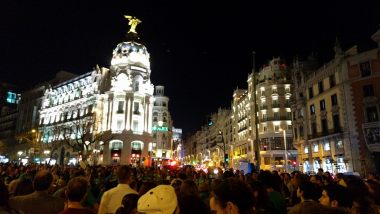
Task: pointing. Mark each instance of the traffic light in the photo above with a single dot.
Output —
(294, 163)
(226, 157)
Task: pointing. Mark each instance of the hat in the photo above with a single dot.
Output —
(159, 200)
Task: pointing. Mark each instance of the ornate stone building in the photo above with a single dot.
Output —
(106, 111)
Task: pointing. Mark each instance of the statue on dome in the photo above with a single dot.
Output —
(133, 22)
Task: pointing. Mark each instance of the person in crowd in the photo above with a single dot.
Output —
(334, 195)
(76, 192)
(306, 191)
(4, 197)
(188, 188)
(111, 199)
(128, 204)
(37, 201)
(161, 199)
(278, 201)
(362, 202)
(262, 204)
(231, 196)
(340, 179)
(176, 184)
(146, 186)
(24, 187)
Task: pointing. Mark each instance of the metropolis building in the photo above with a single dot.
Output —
(113, 111)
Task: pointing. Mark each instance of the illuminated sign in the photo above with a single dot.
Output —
(160, 128)
(11, 97)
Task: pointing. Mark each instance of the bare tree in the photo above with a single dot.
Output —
(82, 134)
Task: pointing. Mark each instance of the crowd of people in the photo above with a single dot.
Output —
(124, 189)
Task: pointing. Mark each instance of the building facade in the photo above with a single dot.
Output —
(322, 117)
(162, 147)
(273, 96)
(364, 77)
(106, 115)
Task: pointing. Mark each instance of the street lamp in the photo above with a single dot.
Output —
(224, 149)
(286, 152)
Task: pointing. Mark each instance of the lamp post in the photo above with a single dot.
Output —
(286, 152)
(224, 148)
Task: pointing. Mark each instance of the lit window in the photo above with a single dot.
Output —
(327, 146)
(306, 150)
(315, 147)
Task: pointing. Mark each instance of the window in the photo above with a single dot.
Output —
(306, 150)
(368, 91)
(295, 133)
(334, 100)
(311, 95)
(339, 144)
(315, 147)
(313, 129)
(365, 69)
(288, 115)
(300, 94)
(135, 126)
(265, 129)
(336, 123)
(287, 89)
(320, 86)
(274, 90)
(326, 146)
(276, 115)
(301, 131)
(136, 86)
(312, 109)
(300, 113)
(119, 125)
(276, 128)
(322, 105)
(372, 115)
(136, 108)
(136, 146)
(290, 127)
(332, 80)
(264, 117)
(325, 130)
(120, 107)
(294, 115)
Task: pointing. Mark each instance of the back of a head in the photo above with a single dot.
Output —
(42, 180)
(76, 189)
(267, 178)
(188, 187)
(234, 191)
(310, 191)
(124, 173)
(191, 204)
(340, 194)
(128, 204)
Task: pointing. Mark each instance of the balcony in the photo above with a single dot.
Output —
(262, 107)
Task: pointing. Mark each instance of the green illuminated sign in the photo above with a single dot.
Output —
(160, 128)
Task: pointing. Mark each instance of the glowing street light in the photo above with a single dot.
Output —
(286, 152)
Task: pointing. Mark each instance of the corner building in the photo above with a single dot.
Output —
(116, 102)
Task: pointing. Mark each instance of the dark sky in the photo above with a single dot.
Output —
(200, 50)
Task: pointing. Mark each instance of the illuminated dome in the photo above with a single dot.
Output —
(130, 53)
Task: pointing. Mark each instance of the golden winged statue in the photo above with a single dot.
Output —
(133, 22)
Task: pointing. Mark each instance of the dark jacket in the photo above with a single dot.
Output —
(36, 203)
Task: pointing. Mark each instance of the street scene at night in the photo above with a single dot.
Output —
(160, 107)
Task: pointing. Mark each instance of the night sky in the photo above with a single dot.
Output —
(200, 50)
